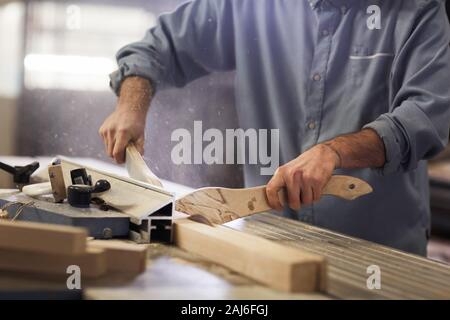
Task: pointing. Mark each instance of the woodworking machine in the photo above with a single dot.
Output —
(118, 219)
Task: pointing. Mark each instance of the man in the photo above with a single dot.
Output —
(356, 87)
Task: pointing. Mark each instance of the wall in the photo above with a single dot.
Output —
(8, 112)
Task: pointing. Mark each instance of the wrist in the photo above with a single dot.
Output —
(335, 154)
(132, 108)
(136, 94)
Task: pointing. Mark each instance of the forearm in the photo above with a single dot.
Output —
(364, 149)
(127, 123)
(136, 94)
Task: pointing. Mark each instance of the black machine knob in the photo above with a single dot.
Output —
(80, 196)
(101, 186)
(21, 174)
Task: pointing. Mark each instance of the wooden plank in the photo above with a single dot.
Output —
(272, 264)
(92, 263)
(122, 256)
(44, 238)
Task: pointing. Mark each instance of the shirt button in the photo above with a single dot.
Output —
(317, 77)
(344, 9)
(325, 33)
(312, 125)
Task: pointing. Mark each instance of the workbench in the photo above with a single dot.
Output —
(174, 274)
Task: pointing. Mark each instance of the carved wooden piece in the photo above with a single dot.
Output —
(220, 205)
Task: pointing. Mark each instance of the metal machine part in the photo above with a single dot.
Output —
(21, 174)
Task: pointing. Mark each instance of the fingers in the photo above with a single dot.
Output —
(306, 194)
(317, 192)
(272, 189)
(103, 136)
(108, 137)
(294, 183)
(120, 145)
(110, 141)
(119, 129)
(302, 189)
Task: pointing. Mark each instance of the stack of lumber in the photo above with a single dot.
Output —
(50, 249)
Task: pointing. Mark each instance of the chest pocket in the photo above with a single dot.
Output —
(370, 68)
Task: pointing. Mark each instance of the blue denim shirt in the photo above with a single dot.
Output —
(318, 69)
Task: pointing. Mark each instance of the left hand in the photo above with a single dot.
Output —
(304, 178)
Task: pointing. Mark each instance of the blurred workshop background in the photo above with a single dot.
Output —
(54, 86)
(55, 57)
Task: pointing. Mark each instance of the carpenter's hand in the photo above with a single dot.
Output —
(120, 128)
(304, 178)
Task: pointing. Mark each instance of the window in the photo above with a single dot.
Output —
(72, 46)
(11, 35)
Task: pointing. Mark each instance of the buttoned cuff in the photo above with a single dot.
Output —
(133, 67)
(393, 143)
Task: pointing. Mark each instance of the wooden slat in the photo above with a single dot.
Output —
(45, 238)
(121, 256)
(274, 265)
(92, 263)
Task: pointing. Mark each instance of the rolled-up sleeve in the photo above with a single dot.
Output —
(417, 126)
(194, 40)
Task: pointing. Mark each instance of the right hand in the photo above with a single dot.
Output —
(120, 128)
